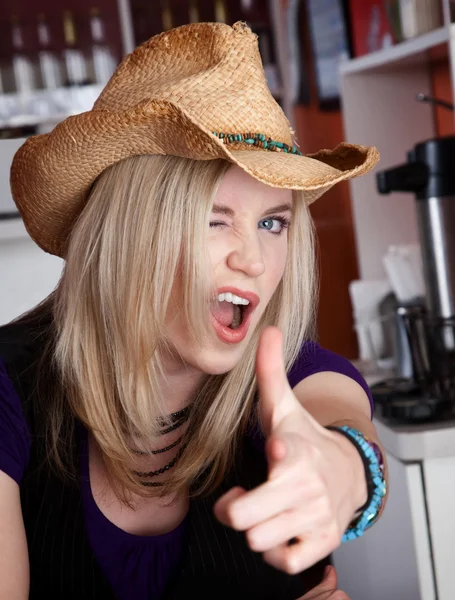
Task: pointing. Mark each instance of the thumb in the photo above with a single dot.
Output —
(271, 375)
(330, 580)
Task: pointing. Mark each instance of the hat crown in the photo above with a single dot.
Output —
(168, 98)
(211, 71)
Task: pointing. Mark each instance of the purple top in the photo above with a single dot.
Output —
(138, 567)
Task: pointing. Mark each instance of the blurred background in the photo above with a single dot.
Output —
(55, 57)
(372, 72)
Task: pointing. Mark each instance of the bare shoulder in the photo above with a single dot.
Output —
(14, 566)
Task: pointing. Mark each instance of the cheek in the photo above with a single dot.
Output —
(218, 249)
(276, 264)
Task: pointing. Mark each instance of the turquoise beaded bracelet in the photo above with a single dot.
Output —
(377, 487)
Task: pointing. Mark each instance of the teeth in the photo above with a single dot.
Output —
(228, 297)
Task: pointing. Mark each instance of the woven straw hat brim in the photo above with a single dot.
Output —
(52, 174)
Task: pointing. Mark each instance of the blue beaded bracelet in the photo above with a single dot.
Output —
(377, 488)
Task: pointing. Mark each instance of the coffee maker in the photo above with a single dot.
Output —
(429, 394)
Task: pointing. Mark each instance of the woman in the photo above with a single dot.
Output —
(167, 425)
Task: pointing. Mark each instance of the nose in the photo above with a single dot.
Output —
(247, 257)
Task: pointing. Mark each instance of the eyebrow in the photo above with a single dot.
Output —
(222, 209)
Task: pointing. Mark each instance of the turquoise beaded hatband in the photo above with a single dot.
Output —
(260, 140)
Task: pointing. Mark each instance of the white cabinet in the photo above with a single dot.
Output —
(439, 477)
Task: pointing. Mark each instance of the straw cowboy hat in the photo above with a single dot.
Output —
(197, 91)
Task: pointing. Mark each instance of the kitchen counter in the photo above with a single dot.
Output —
(410, 443)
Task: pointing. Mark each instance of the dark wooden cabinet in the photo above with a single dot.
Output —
(28, 12)
(148, 19)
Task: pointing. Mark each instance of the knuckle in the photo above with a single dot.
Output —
(292, 565)
(233, 517)
(324, 510)
(254, 541)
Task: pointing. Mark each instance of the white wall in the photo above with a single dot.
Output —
(7, 151)
(27, 275)
(379, 109)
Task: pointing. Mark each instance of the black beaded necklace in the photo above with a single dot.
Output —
(163, 469)
(174, 426)
(160, 451)
(177, 419)
(175, 416)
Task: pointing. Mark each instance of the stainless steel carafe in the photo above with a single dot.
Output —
(430, 175)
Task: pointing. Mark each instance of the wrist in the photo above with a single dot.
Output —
(373, 462)
(356, 472)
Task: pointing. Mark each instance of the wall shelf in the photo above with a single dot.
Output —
(380, 108)
(405, 53)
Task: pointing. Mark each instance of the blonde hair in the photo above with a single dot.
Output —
(144, 226)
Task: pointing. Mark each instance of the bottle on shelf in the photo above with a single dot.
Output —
(220, 11)
(166, 15)
(75, 65)
(419, 16)
(7, 84)
(103, 62)
(25, 73)
(50, 66)
(193, 11)
(246, 5)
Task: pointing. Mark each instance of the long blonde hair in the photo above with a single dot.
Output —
(145, 225)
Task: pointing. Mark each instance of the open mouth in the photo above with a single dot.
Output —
(231, 314)
(231, 310)
(238, 317)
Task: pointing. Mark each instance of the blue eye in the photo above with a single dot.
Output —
(275, 225)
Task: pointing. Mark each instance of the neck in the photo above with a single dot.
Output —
(179, 383)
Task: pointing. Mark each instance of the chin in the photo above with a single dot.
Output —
(215, 363)
(215, 357)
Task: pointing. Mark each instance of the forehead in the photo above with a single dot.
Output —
(238, 189)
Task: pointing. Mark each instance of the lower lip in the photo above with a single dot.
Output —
(232, 336)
